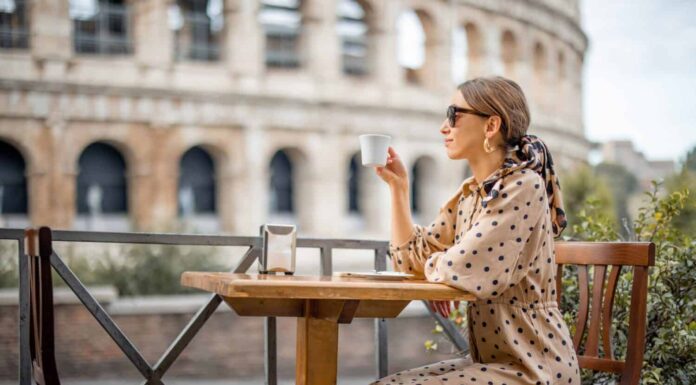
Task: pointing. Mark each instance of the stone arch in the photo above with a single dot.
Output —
(102, 180)
(419, 72)
(354, 185)
(475, 52)
(288, 169)
(509, 53)
(539, 70)
(423, 175)
(197, 184)
(14, 197)
(539, 59)
(561, 65)
(71, 160)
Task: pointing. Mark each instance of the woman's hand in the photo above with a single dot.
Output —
(394, 173)
(443, 307)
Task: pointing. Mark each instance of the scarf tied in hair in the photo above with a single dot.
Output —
(530, 154)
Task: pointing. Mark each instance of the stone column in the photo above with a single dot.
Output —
(386, 67)
(576, 91)
(227, 198)
(244, 40)
(65, 203)
(41, 174)
(251, 189)
(151, 36)
(139, 189)
(524, 68)
(320, 40)
(163, 202)
(442, 50)
(51, 36)
(53, 182)
(322, 194)
(492, 51)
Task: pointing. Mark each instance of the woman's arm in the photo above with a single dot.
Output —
(411, 244)
(491, 257)
(401, 224)
(396, 176)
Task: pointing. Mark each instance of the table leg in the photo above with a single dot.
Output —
(317, 348)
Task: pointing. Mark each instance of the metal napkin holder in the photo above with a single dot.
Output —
(278, 249)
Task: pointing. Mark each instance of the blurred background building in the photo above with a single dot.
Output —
(623, 153)
(225, 114)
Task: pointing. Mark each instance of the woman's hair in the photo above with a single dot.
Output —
(501, 97)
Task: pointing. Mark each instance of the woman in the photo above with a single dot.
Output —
(494, 239)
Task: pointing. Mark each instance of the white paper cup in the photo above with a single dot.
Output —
(373, 149)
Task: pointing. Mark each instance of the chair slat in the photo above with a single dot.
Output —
(601, 364)
(592, 344)
(607, 311)
(559, 283)
(636, 326)
(583, 306)
(605, 253)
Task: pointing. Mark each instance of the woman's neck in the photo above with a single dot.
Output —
(483, 166)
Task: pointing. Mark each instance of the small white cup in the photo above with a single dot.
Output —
(373, 149)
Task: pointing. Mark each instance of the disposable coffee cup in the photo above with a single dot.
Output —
(373, 149)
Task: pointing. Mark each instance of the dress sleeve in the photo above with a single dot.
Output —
(491, 255)
(410, 256)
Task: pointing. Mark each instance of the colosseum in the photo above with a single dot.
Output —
(134, 115)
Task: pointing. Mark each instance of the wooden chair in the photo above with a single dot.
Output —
(602, 255)
(41, 337)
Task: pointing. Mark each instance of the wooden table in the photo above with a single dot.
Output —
(320, 303)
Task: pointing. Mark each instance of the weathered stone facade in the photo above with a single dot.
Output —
(152, 108)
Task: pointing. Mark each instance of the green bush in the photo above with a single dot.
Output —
(670, 348)
(132, 269)
(9, 272)
(154, 269)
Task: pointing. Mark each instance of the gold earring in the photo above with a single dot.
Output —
(487, 146)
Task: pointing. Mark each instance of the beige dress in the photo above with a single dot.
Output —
(504, 255)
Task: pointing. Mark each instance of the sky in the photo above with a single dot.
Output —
(640, 74)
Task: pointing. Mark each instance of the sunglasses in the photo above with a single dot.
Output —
(452, 111)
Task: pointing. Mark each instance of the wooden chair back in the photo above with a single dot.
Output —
(38, 249)
(607, 257)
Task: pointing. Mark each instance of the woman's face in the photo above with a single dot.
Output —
(464, 140)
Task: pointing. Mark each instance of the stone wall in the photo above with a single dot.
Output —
(152, 108)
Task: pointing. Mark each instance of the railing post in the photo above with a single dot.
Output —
(326, 261)
(271, 361)
(24, 352)
(46, 324)
(381, 342)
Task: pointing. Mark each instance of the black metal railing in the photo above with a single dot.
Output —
(154, 374)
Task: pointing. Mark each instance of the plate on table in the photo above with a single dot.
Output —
(390, 275)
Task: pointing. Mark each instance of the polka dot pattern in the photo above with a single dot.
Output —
(503, 254)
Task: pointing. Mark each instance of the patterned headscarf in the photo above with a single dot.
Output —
(530, 153)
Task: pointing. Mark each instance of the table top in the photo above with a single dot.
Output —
(233, 285)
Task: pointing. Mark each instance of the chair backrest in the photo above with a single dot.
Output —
(602, 256)
(42, 346)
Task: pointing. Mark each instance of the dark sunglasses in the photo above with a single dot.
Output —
(452, 111)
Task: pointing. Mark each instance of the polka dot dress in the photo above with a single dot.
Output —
(503, 254)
